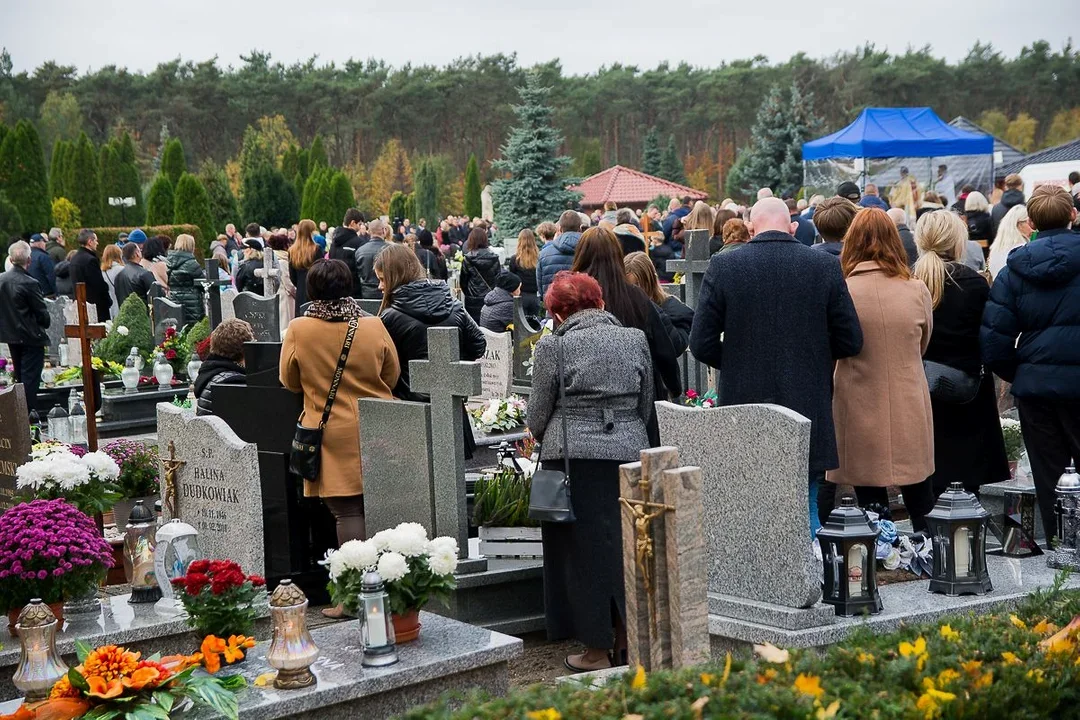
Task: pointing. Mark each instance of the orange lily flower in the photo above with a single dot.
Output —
(141, 678)
(104, 689)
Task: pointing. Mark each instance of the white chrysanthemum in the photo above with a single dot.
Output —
(335, 562)
(33, 475)
(443, 544)
(443, 563)
(68, 472)
(382, 539)
(393, 566)
(122, 329)
(413, 528)
(407, 543)
(1009, 423)
(101, 466)
(359, 554)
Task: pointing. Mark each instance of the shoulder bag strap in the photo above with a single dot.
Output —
(562, 398)
(344, 358)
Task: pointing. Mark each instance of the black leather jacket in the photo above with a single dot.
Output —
(23, 314)
(216, 370)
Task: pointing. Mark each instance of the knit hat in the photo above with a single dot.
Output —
(849, 190)
(137, 236)
(508, 281)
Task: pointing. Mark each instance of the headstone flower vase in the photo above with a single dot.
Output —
(1067, 514)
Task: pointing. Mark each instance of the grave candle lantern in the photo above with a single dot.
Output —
(376, 627)
(292, 651)
(1067, 512)
(193, 367)
(139, 541)
(177, 547)
(40, 665)
(957, 525)
(848, 542)
(163, 371)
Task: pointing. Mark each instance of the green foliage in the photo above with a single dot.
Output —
(397, 206)
(502, 500)
(323, 206)
(108, 235)
(66, 216)
(660, 202)
(651, 157)
(134, 316)
(196, 334)
(671, 167)
(126, 149)
(427, 192)
(310, 197)
(56, 169)
(130, 185)
(222, 202)
(964, 667)
(303, 163)
(410, 206)
(191, 205)
(774, 158)
(11, 221)
(81, 181)
(60, 117)
(290, 163)
(267, 197)
(535, 187)
(23, 178)
(159, 203)
(173, 163)
(473, 203)
(317, 155)
(111, 185)
(341, 198)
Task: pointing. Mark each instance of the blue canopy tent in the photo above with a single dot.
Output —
(883, 145)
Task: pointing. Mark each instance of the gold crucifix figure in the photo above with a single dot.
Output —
(643, 543)
(172, 494)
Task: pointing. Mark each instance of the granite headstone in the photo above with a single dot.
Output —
(217, 486)
(15, 442)
(261, 312)
(166, 314)
(395, 441)
(496, 367)
(57, 321)
(525, 334)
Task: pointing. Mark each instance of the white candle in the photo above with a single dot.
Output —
(961, 550)
(855, 571)
(376, 626)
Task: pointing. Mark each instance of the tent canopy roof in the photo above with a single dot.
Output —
(898, 132)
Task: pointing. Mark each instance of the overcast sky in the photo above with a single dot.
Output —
(583, 34)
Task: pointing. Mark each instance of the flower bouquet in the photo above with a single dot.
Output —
(138, 479)
(175, 351)
(87, 481)
(49, 550)
(73, 375)
(414, 568)
(1014, 443)
(695, 399)
(6, 370)
(499, 414)
(218, 596)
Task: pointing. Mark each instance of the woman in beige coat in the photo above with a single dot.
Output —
(881, 404)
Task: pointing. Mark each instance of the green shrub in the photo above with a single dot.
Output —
(136, 319)
(81, 181)
(173, 164)
(473, 200)
(191, 206)
(108, 235)
(196, 334)
(159, 203)
(978, 667)
(23, 178)
(67, 217)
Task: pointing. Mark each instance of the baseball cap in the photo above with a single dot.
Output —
(37, 237)
(849, 190)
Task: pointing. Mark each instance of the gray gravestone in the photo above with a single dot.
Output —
(217, 488)
(156, 291)
(395, 441)
(261, 312)
(73, 350)
(371, 307)
(212, 285)
(525, 335)
(449, 381)
(15, 442)
(694, 267)
(496, 367)
(57, 321)
(165, 314)
(755, 463)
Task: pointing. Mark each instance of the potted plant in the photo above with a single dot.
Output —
(218, 597)
(86, 480)
(138, 478)
(49, 550)
(499, 414)
(501, 512)
(1014, 443)
(414, 569)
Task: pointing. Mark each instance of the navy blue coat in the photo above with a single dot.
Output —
(43, 270)
(786, 316)
(1030, 331)
(806, 233)
(557, 255)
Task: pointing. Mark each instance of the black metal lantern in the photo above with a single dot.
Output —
(957, 526)
(1067, 515)
(848, 543)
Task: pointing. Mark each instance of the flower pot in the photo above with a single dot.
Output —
(84, 604)
(406, 627)
(13, 617)
(1012, 469)
(122, 509)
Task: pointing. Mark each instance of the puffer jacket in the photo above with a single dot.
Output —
(1030, 333)
(556, 256)
(478, 272)
(498, 310)
(216, 370)
(416, 306)
(184, 270)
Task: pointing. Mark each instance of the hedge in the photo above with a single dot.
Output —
(1022, 664)
(108, 235)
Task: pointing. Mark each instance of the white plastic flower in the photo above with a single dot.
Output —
(122, 329)
(393, 566)
(359, 554)
(101, 466)
(442, 562)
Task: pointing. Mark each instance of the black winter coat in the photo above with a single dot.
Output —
(246, 279)
(184, 272)
(298, 276)
(1009, 200)
(216, 370)
(478, 272)
(682, 320)
(1030, 332)
(527, 275)
(786, 316)
(85, 267)
(343, 247)
(659, 255)
(968, 446)
(414, 308)
(433, 262)
(64, 285)
(979, 226)
(498, 310)
(43, 269)
(134, 278)
(24, 316)
(364, 275)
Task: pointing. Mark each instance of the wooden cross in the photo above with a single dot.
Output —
(86, 332)
(212, 283)
(268, 272)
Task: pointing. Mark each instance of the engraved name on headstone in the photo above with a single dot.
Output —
(496, 366)
(261, 312)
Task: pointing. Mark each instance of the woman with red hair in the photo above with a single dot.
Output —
(607, 377)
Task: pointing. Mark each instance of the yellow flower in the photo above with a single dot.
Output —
(917, 648)
(765, 677)
(727, 670)
(265, 679)
(707, 679)
(638, 682)
(1061, 646)
(931, 700)
(948, 633)
(829, 712)
(1044, 627)
(984, 680)
(946, 676)
(545, 714)
(972, 667)
(1036, 675)
(1018, 622)
(864, 657)
(1011, 658)
(809, 685)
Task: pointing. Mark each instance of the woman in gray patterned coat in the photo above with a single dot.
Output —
(609, 392)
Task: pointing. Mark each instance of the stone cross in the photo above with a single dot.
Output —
(694, 266)
(86, 332)
(664, 561)
(212, 283)
(268, 272)
(448, 381)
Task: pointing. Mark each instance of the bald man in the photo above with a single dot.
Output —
(785, 315)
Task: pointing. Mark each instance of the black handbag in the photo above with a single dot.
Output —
(305, 457)
(549, 496)
(951, 385)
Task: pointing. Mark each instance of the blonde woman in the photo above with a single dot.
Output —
(1013, 231)
(523, 264)
(112, 262)
(302, 254)
(184, 272)
(700, 218)
(968, 446)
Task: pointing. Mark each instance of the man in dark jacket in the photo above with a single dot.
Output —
(498, 310)
(55, 247)
(86, 268)
(346, 242)
(1013, 196)
(42, 268)
(363, 267)
(559, 253)
(832, 219)
(870, 198)
(899, 218)
(805, 232)
(225, 363)
(1030, 337)
(23, 321)
(679, 208)
(134, 278)
(786, 317)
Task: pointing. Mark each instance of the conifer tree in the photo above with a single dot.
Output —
(222, 201)
(671, 167)
(397, 206)
(323, 206)
(111, 186)
(473, 203)
(307, 198)
(342, 198)
(427, 192)
(290, 163)
(410, 207)
(536, 187)
(130, 186)
(22, 175)
(651, 157)
(266, 196)
(56, 169)
(126, 149)
(11, 222)
(173, 163)
(774, 157)
(191, 206)
(159, 203)
(317, 154)
(81, 181)
(303, 164)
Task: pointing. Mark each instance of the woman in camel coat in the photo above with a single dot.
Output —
(881, 403)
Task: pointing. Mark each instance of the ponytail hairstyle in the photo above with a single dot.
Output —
(941, 237)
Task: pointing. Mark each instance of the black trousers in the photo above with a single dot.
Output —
(28, 360)
(919, 500)
(1051, 430)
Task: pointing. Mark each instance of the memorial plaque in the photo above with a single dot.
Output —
(213, 486)
(14, 440)
(496, 367)
(166, 314)
(261, 312)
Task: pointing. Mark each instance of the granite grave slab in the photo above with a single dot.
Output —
(694, 266)
(165, 314)
(496, 367)
(261, 312)
(15, 442)
(396, 462)
(525, 334)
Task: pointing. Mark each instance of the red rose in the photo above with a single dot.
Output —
(170, 354)
(199, 566)
(170, 332)
(178, 582)
(195, 582)
(257, 580)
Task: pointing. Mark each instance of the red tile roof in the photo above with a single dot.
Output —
(629, 187)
